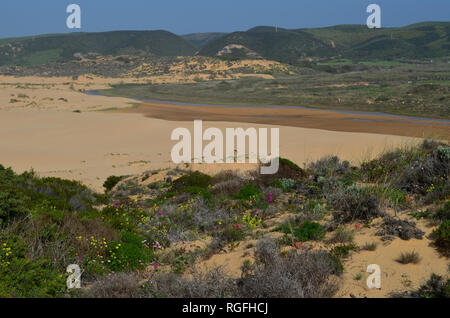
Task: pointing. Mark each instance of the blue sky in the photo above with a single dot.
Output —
(30, 17)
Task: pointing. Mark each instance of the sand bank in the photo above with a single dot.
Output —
(306, 118)
(92, 146)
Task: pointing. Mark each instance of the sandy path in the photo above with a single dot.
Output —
(92, 146)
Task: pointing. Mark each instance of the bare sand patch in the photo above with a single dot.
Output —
(94, 145)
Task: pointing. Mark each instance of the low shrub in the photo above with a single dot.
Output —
(427, 174)
(228, 187)
(225, 175)
(436, 287)
(409, 258)
(212, 283)
(305, 232)
(286, 170)
(342, 235)
(111, 182)
(443, 212)
(295, 275)
(355, 203)
(404, 229)
(21, 276)
(193, 179)
(330, 166)
(247, 192)
(284, 184)
(116, 285)
(128, 254)
(198, 191)
(442, 237)
(369, 246)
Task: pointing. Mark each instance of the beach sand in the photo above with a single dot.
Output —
(41, 131)
(94, 145)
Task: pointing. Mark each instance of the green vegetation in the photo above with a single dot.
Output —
(402, 90)
(111, 182)
(369, 246)
(349, 41)
(436, 287)
(48, 223)
(442, 236)
(409, 258)
(63, 47)
(304, 232)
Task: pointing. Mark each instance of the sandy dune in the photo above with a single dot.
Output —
(92, 146)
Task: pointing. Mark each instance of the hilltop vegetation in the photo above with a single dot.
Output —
(63, 47)
(132, 241)
(423, 40)
(201, 39)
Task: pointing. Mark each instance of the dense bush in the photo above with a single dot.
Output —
(355, 203)
(111, 182)
(21, 194)
(193, 179)
(129, 254)
(298, 275)
(442, 237)
(443, 212)
(329, 167)
(435, 287)
(404, 229)
(117, 285)
(21, 276)
(247, 192)
(212, 283)
(422, 170)
(306, 231)
(286, 170)
(284, 184)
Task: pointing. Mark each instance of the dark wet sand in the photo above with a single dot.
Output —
(319, 119)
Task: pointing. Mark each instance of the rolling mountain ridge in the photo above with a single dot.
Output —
(422, 40)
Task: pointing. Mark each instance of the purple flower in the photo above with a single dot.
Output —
(159, 213)
(270, 198)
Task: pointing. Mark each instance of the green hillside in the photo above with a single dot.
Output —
(357, 42)
(276, 44)
(60, 47)
(199, 40)
(422, 40)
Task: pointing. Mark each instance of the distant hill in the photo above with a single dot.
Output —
(428, 39)
(422, 40)
(269, 42)
(199, 40)
(60, 47)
